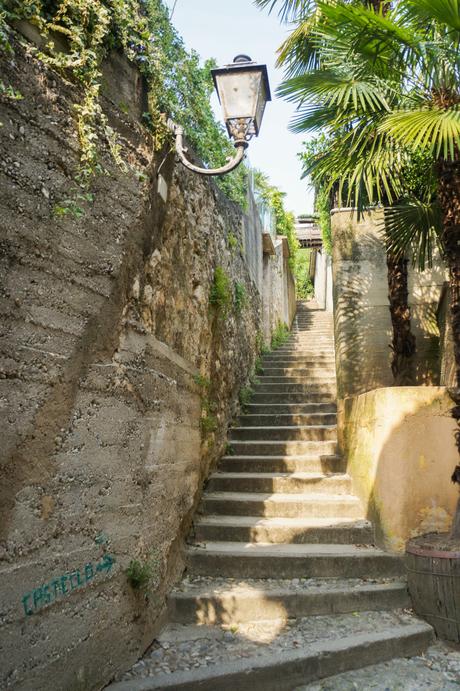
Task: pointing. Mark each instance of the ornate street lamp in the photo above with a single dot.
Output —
(243, 91)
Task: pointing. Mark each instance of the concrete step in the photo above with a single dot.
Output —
(290, 408)
(283, 530)
(297, 378)
(286, 483)
(282, 464)
(284, 448)
(308, 361)
(307, 505)
(290, 387)
(268, 420)
(261, 657)
(256, 560)
(288, 433)
(217, 601)
(285, 397)
(299, 372)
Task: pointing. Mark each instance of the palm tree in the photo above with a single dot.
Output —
(333, 91)
(402, 97)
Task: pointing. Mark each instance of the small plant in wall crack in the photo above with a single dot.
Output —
(220, 296)
(280, 335)
(142, 574)
(240, 298)
(245, 396)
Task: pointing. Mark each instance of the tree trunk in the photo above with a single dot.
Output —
(449, 197)
(403, 345)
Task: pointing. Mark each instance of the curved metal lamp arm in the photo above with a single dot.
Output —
(241, 146)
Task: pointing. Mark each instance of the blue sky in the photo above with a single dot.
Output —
(224, 28)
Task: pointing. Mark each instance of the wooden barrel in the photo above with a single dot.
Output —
(434, 585)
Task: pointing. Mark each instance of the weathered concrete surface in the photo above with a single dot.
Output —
(105, 323)
(323, 280)
(400, 447)
(279, 298)
(363, 328)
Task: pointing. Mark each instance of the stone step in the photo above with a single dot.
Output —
(311, 505)
(284, 448)
(208, 601)
(257, 560)
(299, 371)
(285, 386)
(291, 408)
(285, 420)
(257, 657)
(289, 397)
(308, 361)
(286, 464)
(289, 433)
(278, 530)
(285, 483)
(296, 377)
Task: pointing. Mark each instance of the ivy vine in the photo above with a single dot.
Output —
(179, 86)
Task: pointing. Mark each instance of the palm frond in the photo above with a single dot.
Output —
(431, 128)
(446, 12)
(414, 228)
(288, 10)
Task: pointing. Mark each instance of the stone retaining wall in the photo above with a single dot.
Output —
(118, 380)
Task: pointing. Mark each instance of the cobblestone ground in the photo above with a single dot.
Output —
(182, 648)
(437, 670)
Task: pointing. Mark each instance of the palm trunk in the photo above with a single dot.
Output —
(449, 196)
(403, 345)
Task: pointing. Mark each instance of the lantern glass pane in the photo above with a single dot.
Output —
(238, 93)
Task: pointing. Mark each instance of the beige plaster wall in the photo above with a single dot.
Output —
(363, 330)
(400, 447)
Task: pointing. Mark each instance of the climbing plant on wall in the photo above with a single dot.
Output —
(179, 86)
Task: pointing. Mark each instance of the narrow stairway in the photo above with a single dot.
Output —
(283, 585)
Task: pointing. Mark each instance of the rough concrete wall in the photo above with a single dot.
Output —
(400, 448)
(425, 291)
(279, 299)
(323, 280)
(363, 328)
(361, 315)
(105, 323)
(444, 316)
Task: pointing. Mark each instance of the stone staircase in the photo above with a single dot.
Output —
(283, 585)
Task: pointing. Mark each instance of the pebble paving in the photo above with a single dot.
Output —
(437, 670)
(182, 648)
(221, 585)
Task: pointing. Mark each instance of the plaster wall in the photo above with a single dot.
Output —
(400, 447)
(362, 321)
(323, 280)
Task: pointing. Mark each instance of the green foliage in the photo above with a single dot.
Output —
(245, 395)
(240, 297)
(261, 346)
(285, 221)
(304, 284)
(229, 449)
(72, 206)
(258, 367)
(208, 424)
(139, 574)
(220, 295)
(232, 242)
(179, 86)
(9, 92)
(280, 335)
(201, 381)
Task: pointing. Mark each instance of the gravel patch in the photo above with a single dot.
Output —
(437, 670)
(182, 648)
(219, 585)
